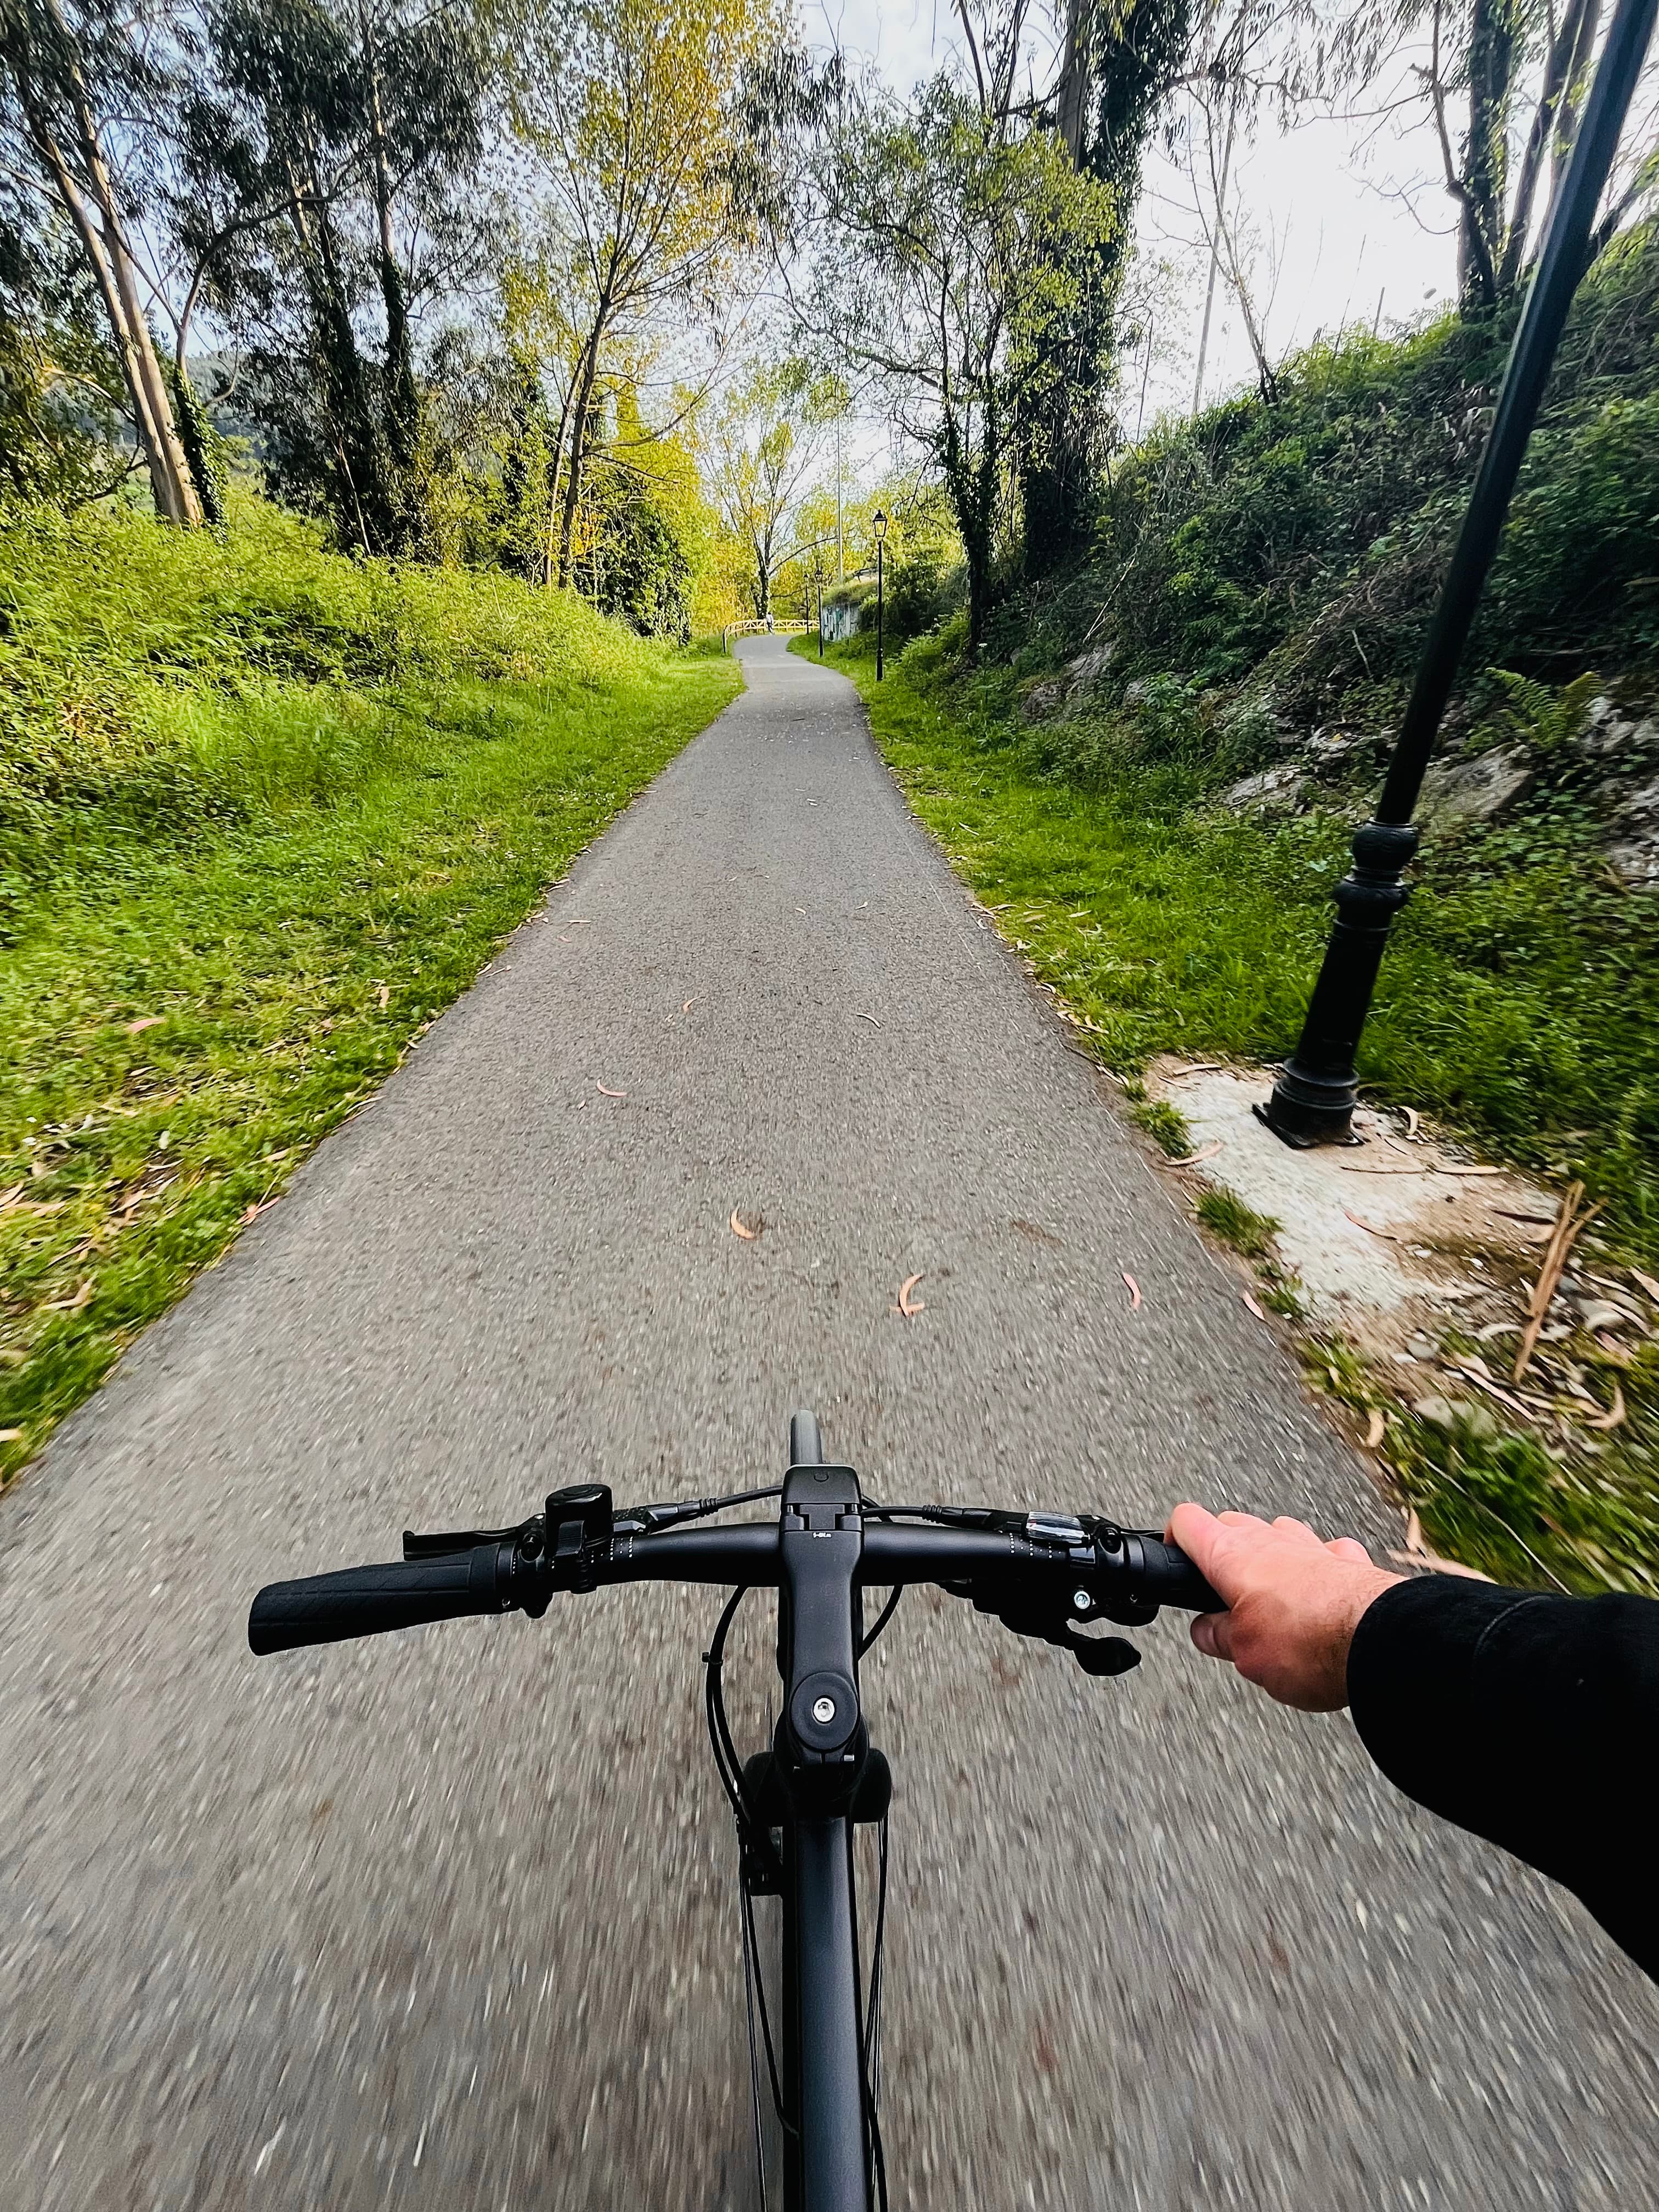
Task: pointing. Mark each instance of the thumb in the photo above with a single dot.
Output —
(1212, 1634)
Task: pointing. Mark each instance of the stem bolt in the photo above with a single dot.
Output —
(1081, 1601)
(824, 1711)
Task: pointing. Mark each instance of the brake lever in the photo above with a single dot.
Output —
(440, 1545)
(1099, 1655)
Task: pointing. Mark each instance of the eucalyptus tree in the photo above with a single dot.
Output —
(331, 164)
(85, 89)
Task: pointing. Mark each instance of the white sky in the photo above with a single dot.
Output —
(1345, 213)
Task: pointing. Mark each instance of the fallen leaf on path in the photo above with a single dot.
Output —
(1568, 1224)
(605, 1093)
(1198, 1067)
(262, 1206)
(1394, 1235)
(1647, 1282)
(1135, 1293)
(11, 1436)
(1613, 1417)
(383, 996)
(871, 1018)
(38, 1206)
(82, 1297)
(7, 1197)
(1436, 1564)
(1192, 1159)
(740, 1227)
(1369, 1166)
(1412, 1123)
(687, 1007)
(1375, 1428)
(1250, 1305)
(908, 1306)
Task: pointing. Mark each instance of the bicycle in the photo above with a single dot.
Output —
(796, 1805)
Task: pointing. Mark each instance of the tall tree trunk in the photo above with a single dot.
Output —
(95, 213)
(1551, 121)
(580, 425)
(1120, 61)
(1492, 47)
(402, 396)
(358, 451)
(103, 243)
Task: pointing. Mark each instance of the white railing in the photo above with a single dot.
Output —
(762, 626)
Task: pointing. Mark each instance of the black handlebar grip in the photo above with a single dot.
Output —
(371, 1600)
(1168, 1577)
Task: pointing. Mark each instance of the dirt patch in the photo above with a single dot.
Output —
(1394, 1239)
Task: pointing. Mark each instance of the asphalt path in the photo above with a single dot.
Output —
(447, 1919)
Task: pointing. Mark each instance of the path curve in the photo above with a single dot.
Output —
(447, 1920)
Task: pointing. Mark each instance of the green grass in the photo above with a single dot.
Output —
(1519, 1002)
(1520, 999)
(1225, 1215)
(264, 812)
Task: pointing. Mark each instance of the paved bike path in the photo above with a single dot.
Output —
(447, 1920)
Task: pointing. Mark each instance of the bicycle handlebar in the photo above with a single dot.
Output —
(1126, 1574)
(371, 1601)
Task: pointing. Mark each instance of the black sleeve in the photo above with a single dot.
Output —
(1532, 1721)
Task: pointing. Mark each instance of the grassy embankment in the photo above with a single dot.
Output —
(263, 811)
(1519, 1005)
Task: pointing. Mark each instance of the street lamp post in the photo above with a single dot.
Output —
(879, 524)
(1314, 1099)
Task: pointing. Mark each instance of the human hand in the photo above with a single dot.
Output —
(1293, 1602)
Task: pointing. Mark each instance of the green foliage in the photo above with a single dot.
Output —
(1497, 1500)
(1225, 1215)
(1304, 541)
(968, 244)
(1164, 1123)
(273, 808)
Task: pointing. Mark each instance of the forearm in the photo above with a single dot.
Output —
(1532, 1721)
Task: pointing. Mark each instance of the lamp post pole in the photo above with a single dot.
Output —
(1314, 1099)
(879, 524)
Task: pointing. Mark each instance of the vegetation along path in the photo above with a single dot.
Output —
(449, 1919)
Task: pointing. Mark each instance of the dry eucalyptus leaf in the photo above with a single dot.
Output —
(1135, 1293)
(1375, 1428)
(740, 1227)
(145, 1022)
(908, 1306)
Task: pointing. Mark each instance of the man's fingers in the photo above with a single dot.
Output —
(1212, 1632)
(1193, 1529)
(1348, 1547)
(1286, 1526)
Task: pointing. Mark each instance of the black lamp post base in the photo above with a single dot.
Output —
(1302, 1121)
(1317, 1092)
